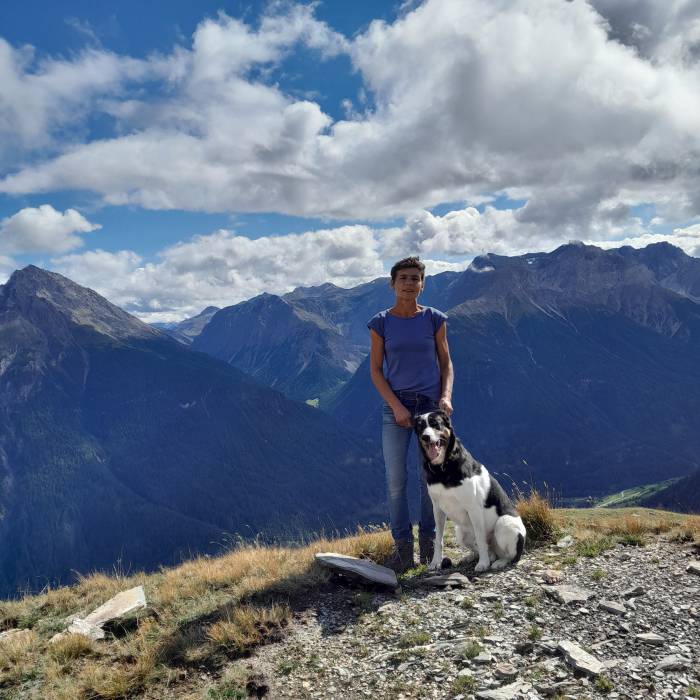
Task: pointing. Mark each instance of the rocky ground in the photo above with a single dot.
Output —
(630, 629)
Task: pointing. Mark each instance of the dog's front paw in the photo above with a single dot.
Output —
(500, 564)
(482, 565)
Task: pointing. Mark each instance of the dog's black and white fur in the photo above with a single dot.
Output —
(462, 490)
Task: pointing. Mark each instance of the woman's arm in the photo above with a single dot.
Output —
(376, 367)
(446, 370)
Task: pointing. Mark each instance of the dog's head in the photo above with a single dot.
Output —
(434, 432)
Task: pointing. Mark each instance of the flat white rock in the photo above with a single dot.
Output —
(580, 659)
(568, 594)
(565, 542)
(505, 692)
(355, 566)
(612, 607)
(122, 604)
(455, 579)
(674, 662)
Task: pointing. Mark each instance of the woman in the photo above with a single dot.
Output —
(411, 341)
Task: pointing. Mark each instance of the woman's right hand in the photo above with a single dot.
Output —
(403, 416)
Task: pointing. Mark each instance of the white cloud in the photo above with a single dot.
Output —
(687, 238)
(43, 230)
(7, 267)
(582, 108)
(222, 269)
(44, 102)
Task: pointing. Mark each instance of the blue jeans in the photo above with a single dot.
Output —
(395, 444)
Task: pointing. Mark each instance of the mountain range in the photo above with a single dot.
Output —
(576, 368)
(120, 445)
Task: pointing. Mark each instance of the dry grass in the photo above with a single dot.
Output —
(249, 626)
(205, 611)
(18, 656)
(598, 529)
(71, 647)
(538, 517)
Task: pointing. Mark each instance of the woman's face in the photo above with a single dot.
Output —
(408, 283)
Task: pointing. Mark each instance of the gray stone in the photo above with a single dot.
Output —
(505, 672)
(553, 576)
(354, 566)
(82, 627)
(455, 580)
(505, 692)
(633, 592)
(612, 607)
(694, 567)
(674, 662)
(115, 608)
(650, 638)
(484, 658)
(568, 594)
(579, 659)
(120, 605)
(565, 542)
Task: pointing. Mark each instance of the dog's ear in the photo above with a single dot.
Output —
(446, 418)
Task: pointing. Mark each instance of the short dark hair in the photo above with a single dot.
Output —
(413, 261)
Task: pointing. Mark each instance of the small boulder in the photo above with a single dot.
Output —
(505, 692)
(117, 607)
(651, 638)
(568, 594)
(612, 607)
(454, 580)
(552, 576)
(506, 672)
(579, 659)
(633, 592)
(120, 605)
(673, 662)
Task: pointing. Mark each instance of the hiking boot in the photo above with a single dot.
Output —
(401, 558)
(426, 548)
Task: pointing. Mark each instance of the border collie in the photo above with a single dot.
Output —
(462, 490)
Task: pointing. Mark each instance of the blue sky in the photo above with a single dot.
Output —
(174, 155)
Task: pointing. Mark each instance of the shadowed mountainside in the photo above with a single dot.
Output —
(117, 444)
(577, 368)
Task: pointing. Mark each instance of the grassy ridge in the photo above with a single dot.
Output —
(209, 612)
(203, 614)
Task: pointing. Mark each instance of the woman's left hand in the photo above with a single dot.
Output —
(445, 405)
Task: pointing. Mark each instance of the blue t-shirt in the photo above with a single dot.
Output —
(410, 357)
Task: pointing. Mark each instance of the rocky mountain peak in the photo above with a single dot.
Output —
(33, 291)
(311, 292)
